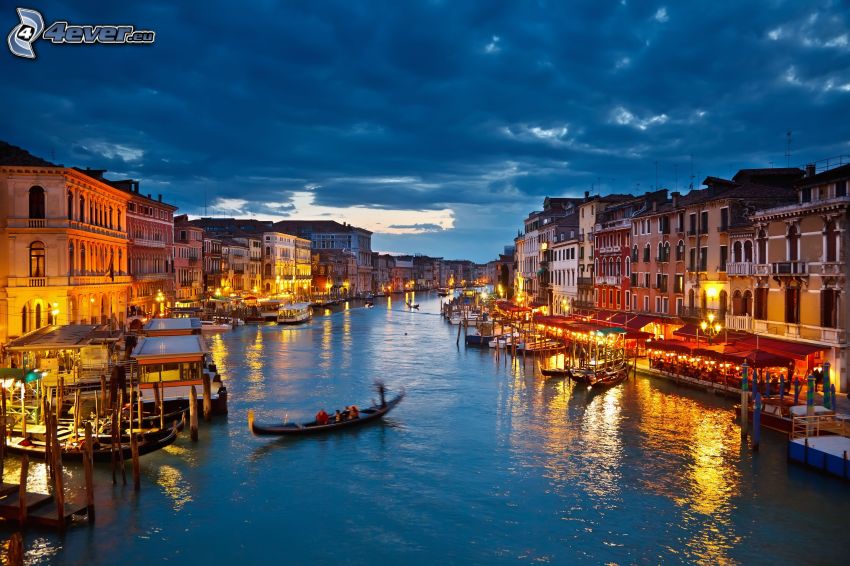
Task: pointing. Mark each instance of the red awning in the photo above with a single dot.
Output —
(760, 358)
(672, 346)
(796, 350)
(632, 334)
(638, 321)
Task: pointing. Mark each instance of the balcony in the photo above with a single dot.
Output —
(141, 242)
(610, 280)
(663, 258)
(584, 281)
(98, 279)
(831, 268)
(743, 323)
(761, 269)
(73, 224)
(788, 268)
(742, 268)
(833, 336)
(609, 249)
(42, 223)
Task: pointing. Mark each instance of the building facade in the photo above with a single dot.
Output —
(188, 263)
(63, 246)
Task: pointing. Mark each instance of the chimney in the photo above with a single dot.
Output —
(149, 196)
(586, 195)
(810, 170)
(654, 206)
(159, 197)
(675, 196)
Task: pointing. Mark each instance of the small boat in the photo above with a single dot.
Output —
(610, 378)
(557, 373)
(294, 314)
(443, 292)
(370, 414)
(74, 450)
(369, 305)
(412, 306)
(214, 326)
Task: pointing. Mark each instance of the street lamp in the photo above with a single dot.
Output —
(710, 328)
(159, 300)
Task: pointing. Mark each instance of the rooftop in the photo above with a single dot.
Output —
(161, 348)
(170, 324)
(14, 155)
(62, 337)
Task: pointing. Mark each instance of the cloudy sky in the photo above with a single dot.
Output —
(438, 125)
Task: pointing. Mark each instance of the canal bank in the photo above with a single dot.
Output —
(482, 462)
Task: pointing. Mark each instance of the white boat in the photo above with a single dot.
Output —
(294, 314)
(214, 326)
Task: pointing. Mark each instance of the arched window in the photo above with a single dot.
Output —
(660, 251)
(70, 258)
(737, 255)
(666, 251)
(831, 241)
(83, 265)
(748, 251)
(793, 239)
(37, 321)
(110, 217)
(24, 320)
(635, 253)
(680, 251)
(120, 262)
(646, 252)
(70, 206)
(82, 210)
(762, 247)
(36, 202)
(37, 259)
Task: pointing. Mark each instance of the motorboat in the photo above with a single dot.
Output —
(295, 313)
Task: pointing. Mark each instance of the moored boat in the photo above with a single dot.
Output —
(294, 314)
(556, 372)
(369, 414)
(214, 326)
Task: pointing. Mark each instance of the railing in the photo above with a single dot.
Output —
(96, 229)
(609, 249)
(663, 258)
(789, 268)
(830, 268)
(739, 322)
(739, 268)
(37, 282)
(147, 243)
(36, 223)
(607, 280)
(761, 269)
(584, 281)
(99, 279)
(815, 425)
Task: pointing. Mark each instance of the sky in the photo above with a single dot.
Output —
(437, 125)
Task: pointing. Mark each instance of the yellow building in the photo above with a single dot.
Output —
(800, 270)
(63, 246)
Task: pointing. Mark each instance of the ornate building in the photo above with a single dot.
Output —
(63, 246)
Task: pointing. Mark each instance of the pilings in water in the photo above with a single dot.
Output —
(745, 401)
(193, 413)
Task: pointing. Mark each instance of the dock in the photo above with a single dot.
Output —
(821, 442)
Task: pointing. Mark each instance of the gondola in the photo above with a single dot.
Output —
(412, 306)
(370, 414)
(556, 372)
(610, 378)
(149, 443)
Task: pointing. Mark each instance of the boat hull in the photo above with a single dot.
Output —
(371, 414)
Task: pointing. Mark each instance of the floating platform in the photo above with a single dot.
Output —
(829, 454)
(41, 508)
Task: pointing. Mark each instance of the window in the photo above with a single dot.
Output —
(793, 239)
(829, 308)
(703, 259)
(792, 305)
(680, 251)
(635, 253)
(806, 195)
(658, 304)
(36, 202)
(646, 304)
(680, 222)
(831, 241)
(646, 252)
(679, 286)
(70, 206)
(762, 247)
(692, 259)
(70, 258)
(724, 219)
(748, 251)
(724, 252)
(82, 211)
(841, 189)
(703, 222)
(24, 320)
(692, 224)
(760, 305)
(37, 259)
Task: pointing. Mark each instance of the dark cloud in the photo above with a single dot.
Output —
(470, 106)
(418, 227)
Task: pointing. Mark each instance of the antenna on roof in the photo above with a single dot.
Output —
(656, 175)
(205, 201)
(788, 148)
(691, 185)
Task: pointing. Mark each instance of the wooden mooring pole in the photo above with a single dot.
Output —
(137, 472)
(22, 490)
(193, 413)
(15, 552)
(88, 458)
(58, 479)
(207, 396)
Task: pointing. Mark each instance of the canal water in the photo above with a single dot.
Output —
(483, 462)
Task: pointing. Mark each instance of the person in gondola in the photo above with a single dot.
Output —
(321, 417)
(338, 416)
(353, 412)
(381, 391)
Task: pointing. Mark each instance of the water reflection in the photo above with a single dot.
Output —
(177, 488)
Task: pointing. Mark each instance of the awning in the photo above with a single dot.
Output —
(795, 350)
(760, 358)
(638, 321)
(672, 346)
(632, 334)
